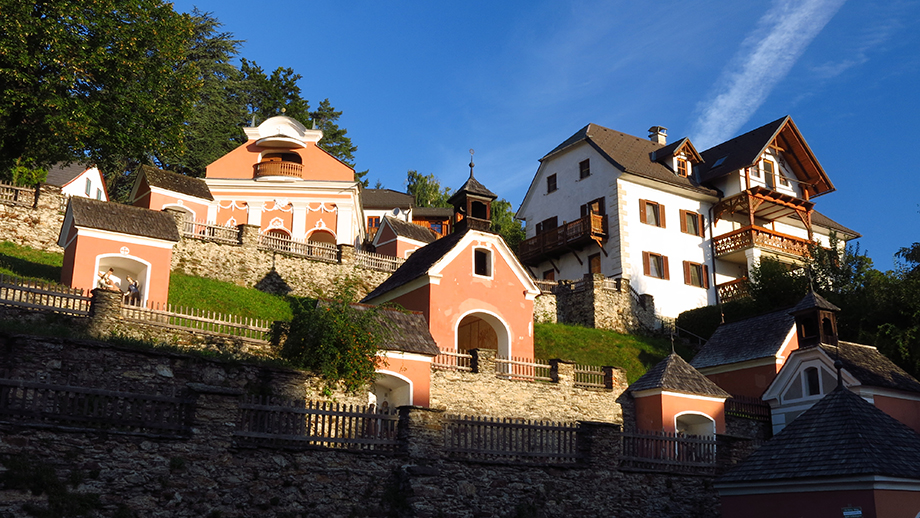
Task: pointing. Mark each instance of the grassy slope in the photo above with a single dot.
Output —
(579, 344)
(589, 346)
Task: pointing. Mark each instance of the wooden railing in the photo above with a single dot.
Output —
(372, 261)
(89, 408)
(15, 195)
(290, 169)
(665, 451)
(574, 233)
(452, 361)
(326, 425)
(249, 329)
(312, 249)
(211, 232)
(514, 440)
(523, 369)
(748, 408)
(589, 376)
(733, 290)
(546, 286)
(749, 237)
(23, 293)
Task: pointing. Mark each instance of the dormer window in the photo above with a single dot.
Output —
(682, 167)
(482, 262)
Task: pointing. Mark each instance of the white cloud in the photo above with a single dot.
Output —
(765, 57)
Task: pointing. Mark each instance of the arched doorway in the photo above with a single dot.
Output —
(322, 236)
(483, 330)
(390, 391)
(124, 270)
(695, 424)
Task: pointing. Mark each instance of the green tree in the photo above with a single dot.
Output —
(427, 190)
(899, 336)
(505, 225)
(214, 126)
(334, 338)
(335, 140)
(265, 96)
(100, 79)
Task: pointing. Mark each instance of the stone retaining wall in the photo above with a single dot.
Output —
(37, 226)
(599, 302)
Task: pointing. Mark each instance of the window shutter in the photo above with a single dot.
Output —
(661, 216)
(701, 227)
(645, 267)
(683, 222)
(664, 266)
(642, 218)
(687, 272)
(539, 229)
(705, 276)
(584, 210)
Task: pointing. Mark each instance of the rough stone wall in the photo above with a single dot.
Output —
(209, 473)
(544, 309)
(37, 226)
(602, 303)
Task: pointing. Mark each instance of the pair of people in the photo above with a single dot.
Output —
(108, 280)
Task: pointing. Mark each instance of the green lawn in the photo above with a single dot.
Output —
(21, 261)
(226, 298)
(599, 347)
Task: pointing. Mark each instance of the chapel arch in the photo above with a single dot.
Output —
(482, 330)
(695, 424)
(322, 236)
(124, 266)
(390, 391)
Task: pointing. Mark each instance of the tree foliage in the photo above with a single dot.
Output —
(105, 80)
(427, 190)
(505, 225)
(335, 339)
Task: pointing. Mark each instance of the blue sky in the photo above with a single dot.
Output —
(420, 83)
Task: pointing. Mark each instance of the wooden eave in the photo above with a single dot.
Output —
(767, 204)
(801, 159)
(687, 147)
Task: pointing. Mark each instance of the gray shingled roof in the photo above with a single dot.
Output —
(61, 174)
(840, 435)
(813, 300)
(411, 230)
(749, 339)
(385, 199)
(871, 367)
(417, 264)
(408, 331)
(126, 219)
(675, 374)
(433, 212)
(739, 152)
(823, 221)
(632, 155)
(176, 182)
(472, 186)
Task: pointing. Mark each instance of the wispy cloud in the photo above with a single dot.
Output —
(765, 57)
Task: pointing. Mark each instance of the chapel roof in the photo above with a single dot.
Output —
(407, 330)
(871, 368)
(675, 374)
(124, 219)
(748, 339)
(176, 182)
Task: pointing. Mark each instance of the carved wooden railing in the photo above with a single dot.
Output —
(291, 169)
(733, 290)
(569, 234)
(754, 236)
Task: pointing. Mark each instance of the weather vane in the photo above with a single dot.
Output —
(471, 162)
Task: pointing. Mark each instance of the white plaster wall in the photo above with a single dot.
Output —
(671, 296)
(78, 186)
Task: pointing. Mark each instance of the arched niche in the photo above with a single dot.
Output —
(692, 423)
(390, 391)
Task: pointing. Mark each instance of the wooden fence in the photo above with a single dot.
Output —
(211, 232)
(515, 440)
(590, 376)
(24, 293)
(89, 408)
(327, 425)
(15, 195)
(372, 261)
(670, 452)
(312, 249)
(748, 408)
(249, 329)
(523, 369)
(452, 361)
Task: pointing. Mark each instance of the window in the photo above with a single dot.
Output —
(547, 224)
(754, 171)
(584, 169)
(550, 183)
(651, 213)
(691, 223)
(696, 275)
(812, 383)
(373, 223)
(594, 263)
(437, 227)
(594, 207)
(89, 186)
(549, 275)
(98, 194)
(482, 262)
(655, 265)
(682, 166)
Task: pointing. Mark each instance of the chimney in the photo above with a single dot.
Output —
(658, 134)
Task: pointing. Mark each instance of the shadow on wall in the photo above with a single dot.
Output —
(273, 283)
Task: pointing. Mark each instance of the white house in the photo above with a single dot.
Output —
(682, 226)
(80, 180)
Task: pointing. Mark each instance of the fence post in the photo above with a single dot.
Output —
(482, 361)
(346, 255)
(104, 311)
(249, 235)
(215, 414)
(562, 372)
(420, 432)
(599, 444)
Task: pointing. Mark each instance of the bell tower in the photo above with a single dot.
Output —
(815, 321)
(472, 204)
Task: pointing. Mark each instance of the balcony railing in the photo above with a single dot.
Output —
(289, 169)
(750, 237)
(554, 242)
(733, 290)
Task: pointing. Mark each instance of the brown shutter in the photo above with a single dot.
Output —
(642, 209)
(683, 221)
(664, 266)
(645, 267)
(661, 215)
(705, 277)
(687, 272)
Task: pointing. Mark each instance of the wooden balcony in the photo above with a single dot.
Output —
(758, 237)
(279, 169)
(569, 236)
(733, 290)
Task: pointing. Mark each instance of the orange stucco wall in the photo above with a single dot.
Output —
(237, 212)
(317, 164)
(751, 382)
(417, 371)
(656, 413)
(285, 214)
(157, 201)
(79, 269)
(823, 504)
(904, 410)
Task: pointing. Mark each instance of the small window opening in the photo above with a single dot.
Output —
(482, 262)
(812, 383)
